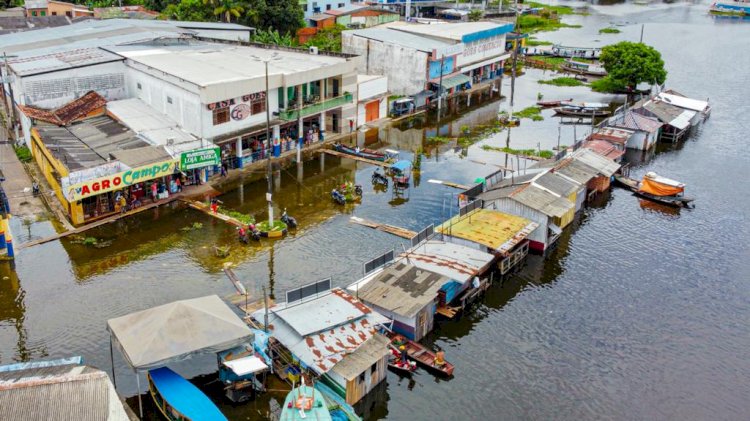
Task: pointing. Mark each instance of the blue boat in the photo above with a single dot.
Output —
(180, 400)
(738, 7)
(304, 402)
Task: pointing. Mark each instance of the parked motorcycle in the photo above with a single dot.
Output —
(358, 190)
(288, 220)
(338, 197)
(379, 178)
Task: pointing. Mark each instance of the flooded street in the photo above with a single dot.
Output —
(638, 313)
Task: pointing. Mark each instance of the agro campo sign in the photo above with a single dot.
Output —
(120, 180)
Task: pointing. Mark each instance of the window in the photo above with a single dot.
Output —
(33, 13)
(42, 13)
(341, 5)
(328, 7)
(139, 86)
(69, 14)
(221, 115)
(54, 13)
(305, 7)
(169, 100)
(258, 105)
(374, 368)
(361, 378)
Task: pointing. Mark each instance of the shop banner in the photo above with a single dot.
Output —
(120, 180)
(200, 158)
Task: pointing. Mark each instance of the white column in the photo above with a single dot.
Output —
(276, 131)
(238, 147)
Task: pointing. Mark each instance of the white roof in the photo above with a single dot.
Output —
(448, 30)
(683, 102)
(683, 120)
(456, 262)
(329, 310)
(246, 365)
(155, 127)
(367, 78)
(223, 71)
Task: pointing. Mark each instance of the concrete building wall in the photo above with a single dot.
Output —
(311, 7)
(406, 68)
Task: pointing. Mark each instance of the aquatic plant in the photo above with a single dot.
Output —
(609, 30)
(546, 154)
(533, 112)
(562, 81)
(242, 217)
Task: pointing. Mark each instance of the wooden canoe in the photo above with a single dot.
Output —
(549, 104)
(362, 152)
(423, 356)
(572, 112)
(634, 186)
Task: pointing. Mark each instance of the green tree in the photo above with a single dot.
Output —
(327, 39)
(225, 9)
(273, 37)
(285, 16)
(476, 15)
(189, 10)
(630, 63)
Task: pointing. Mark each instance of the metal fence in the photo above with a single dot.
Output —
(423, 235)
(308, 290)
(477, 204)
(378, 262)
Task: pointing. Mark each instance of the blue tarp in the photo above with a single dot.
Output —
(402, 165)
(260, 345)
(183, 396)
(451, 289)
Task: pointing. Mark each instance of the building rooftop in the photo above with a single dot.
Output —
(575, 170)
(223, 71)
(68, 113)
(458, 31)
(58, 391)
(402, 288)
(493, 229)
(456, 262)
(669, 114)
(401, 38)
(88, 143)
(604, 166)
(612, 135)
(35, 4)
(363, 358)
(679, 100)
(334, 339)
(141, 156)
(635, 121)
(604, 148)
(533, 197)
(45, 63)
(556, 184)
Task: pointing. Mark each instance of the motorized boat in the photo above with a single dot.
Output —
(581, 68)
(178, 399)
(657, 188)
(305, 402)
(553, 103)
(576, 111)
(361, 152)
(421, 354)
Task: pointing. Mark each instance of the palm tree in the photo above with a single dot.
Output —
(226, 9)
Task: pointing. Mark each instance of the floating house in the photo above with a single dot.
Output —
(491, 231)
(62, 389)
(551, 211)
(609, 142)
(405, 294)
(604, 167)
(335, 336)
(676, 120)
(462, 265)
(645, 129)
(576, 171)
(562, 187)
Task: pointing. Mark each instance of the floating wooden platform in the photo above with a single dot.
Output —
(450, 184)
(391, 229)
(207, 210)
(356, 158)
(449, 312)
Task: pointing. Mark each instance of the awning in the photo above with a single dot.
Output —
(246, 365)
(469, 67)
(453, 81)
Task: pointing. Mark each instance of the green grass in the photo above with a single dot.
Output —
(560, 10)
(546, 154)
(534, 23)
(277, 226)
(607, 85)
(242, 217)
(23, 153)
(533, 112)
(609, 31)
(562, 81)
(440, 139)
(533, 42)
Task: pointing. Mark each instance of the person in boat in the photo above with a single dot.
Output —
(242, 234)
(439, 358)
(404, 361)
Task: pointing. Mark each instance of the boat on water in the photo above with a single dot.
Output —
(581, 68)
(180, 400)
(421, 354)
(577, 111)
(361, 152)
(305, 402)
(553, 103)
(581, 52)
(657, 188)
(400, 171)
(398, 364)
(729, 7)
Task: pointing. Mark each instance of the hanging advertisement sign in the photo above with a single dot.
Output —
(120, 180)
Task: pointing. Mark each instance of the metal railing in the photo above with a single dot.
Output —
(318, 107)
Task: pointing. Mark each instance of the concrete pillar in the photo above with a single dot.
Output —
(300, 128)
(322, 124)
(325, 89)
(277, 180)
(238, 147)
(300, 171)
(276, 140)
(323, 162)
(241, 191)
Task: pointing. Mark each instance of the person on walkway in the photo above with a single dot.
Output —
(214, 206)
(35, 188)
(123, 203)
(223, 169)
(154, 192)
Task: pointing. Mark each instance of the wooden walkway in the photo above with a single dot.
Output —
(391, 229)
(207, 210)
(449, 184)
(356, 158)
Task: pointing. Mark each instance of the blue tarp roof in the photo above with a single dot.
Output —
(402, 165)
(184, 396)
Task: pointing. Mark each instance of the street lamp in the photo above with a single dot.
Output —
(269, 195)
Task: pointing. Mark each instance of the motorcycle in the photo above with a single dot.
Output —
(358, 190)
(338, 197)
(254, 233)
(378, 178)
(288, 220)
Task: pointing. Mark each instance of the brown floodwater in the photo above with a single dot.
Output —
(638, 313)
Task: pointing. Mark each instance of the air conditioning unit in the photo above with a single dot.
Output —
(314, 50)
(170, 141)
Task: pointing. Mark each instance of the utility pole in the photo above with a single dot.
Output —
(440, 86)
(642, 26)
(269, 195)
(12, 99)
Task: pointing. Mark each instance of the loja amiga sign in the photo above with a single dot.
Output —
(120, 180)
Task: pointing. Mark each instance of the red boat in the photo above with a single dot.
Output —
(420, 354)
(396, 364)
(549, 104)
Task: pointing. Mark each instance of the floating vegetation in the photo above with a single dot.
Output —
(242, 217)
(277, 226)
(546, 154)
(609, 30)
(194, 226)
(562, 81)
(90, 241)
(440, 139)
(221, 251)
(533, 42)
(533, 112)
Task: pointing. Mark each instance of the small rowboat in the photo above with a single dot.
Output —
(395, 363)
(580, 112)
(550, 104)
(422, 355)
(305, 402)
(178, 399)
(676, 200)
(361, 152)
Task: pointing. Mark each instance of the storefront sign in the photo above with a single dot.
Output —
(221, 104)
(254, 97)
(120, 180)
(480, 50)
(241, 112)
(200, 158)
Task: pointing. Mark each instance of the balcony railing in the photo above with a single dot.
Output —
(318, 107)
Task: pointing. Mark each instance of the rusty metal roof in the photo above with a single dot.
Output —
(635, 121)
(612, 135)
(368, 354)
(334, 338)
(603, 148)
(576, 170)
(496, 230)
(457, 262)
(68, 113)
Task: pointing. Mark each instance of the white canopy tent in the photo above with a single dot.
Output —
(175, 331)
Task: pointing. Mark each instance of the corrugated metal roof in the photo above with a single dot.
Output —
(635, 121)
(330, 311)
(459, 263)
(669, 114)
(68, 113)
(457, 31)
(321, 351)
(403, 39)
(141, 156)
(403, 289)
(683, 101)
(576, 170)
(493, 229)
(66, 392)
(351, 8)
(361, 360)
(556, 184)
(604, 148)
(27, 66)
(604, 166)
(542, 200)
(612, 135)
